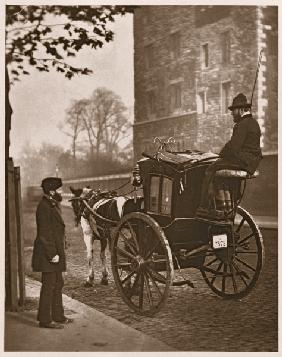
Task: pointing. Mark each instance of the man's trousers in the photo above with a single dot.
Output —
(50, 302)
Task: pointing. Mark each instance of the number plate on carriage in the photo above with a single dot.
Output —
(219, 241)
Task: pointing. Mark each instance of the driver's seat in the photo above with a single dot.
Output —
(236, 173)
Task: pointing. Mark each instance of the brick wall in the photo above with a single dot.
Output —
(154, 27)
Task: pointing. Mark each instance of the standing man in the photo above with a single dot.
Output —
(241, 152)
(49, 255)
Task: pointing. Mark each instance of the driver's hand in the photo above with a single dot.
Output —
(55, 259)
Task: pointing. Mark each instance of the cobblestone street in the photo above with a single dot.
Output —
(192, 319)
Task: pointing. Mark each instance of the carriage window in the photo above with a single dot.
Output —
(154, 193)
(166, 196)
(160, 195)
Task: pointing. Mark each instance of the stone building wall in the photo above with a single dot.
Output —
(159, 70)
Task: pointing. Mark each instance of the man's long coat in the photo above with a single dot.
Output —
(50, 239)
(244, 146)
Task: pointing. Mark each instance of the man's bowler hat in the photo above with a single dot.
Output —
(51, 184)
(240, 101)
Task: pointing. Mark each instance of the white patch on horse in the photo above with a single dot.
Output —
(120, 205)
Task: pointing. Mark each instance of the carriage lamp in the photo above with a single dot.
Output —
(136, 178)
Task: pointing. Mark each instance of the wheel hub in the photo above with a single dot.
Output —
(138, 263)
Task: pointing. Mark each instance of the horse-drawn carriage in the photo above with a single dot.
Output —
(161, 233)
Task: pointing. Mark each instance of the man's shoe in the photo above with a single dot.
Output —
(66, 320)
(50, 325)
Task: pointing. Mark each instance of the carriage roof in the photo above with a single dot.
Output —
(177, 161)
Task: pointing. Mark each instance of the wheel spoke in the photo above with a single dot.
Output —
(154, 283)
(128, 243)
(125, 253)
(246, 238)
(233, 278)
(159, 277)
(127, 277)
(141, 235)
(246, 251)
(122, 265)
(148, 290)
(141, 292)
(211, 262)
(148, 255)
(217, 270)
(224, 276)
(246, 264)
(240, 273)
(240, 225)
(133, 235)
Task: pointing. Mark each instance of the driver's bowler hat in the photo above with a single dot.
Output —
(240, 101)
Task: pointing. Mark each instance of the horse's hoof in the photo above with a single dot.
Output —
(104, 282)
(87, 284)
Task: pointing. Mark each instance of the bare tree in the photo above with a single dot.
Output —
(110, 118)
(73, 124)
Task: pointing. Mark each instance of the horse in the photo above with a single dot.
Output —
(109, 208)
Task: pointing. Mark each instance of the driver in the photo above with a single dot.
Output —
(241, 152)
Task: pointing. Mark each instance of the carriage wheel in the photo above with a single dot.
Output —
(141, 263)
(234, 274)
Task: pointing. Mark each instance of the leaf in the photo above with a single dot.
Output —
(67, 26)
(69, 75)
(32, 61)
(25, 72)
(15, 72)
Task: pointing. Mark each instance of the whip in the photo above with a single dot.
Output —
(257, 72)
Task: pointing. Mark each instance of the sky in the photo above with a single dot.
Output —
(39, 100)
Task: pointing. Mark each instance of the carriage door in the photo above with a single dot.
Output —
(160, 195)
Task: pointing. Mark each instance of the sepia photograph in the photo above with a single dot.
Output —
(141, 176)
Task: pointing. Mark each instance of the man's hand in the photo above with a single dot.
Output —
(55, 259)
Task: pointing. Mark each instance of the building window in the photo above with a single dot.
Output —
(201, 102)
(151, 102)
(174, 42)
(205, 55)
(175, 96)
(225, 47)
(149, 56)
(225, 97)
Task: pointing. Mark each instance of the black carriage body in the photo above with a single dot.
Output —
(172, 189)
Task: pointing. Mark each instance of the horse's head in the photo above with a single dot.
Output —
(76, 203)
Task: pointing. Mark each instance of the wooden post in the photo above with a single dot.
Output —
(20, 236)
(12, 239)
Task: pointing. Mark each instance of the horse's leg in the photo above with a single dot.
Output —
(88, 240)
(105, 272)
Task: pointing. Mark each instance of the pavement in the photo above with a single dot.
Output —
(90, 331)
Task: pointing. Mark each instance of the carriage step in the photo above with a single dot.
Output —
(183, 282)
